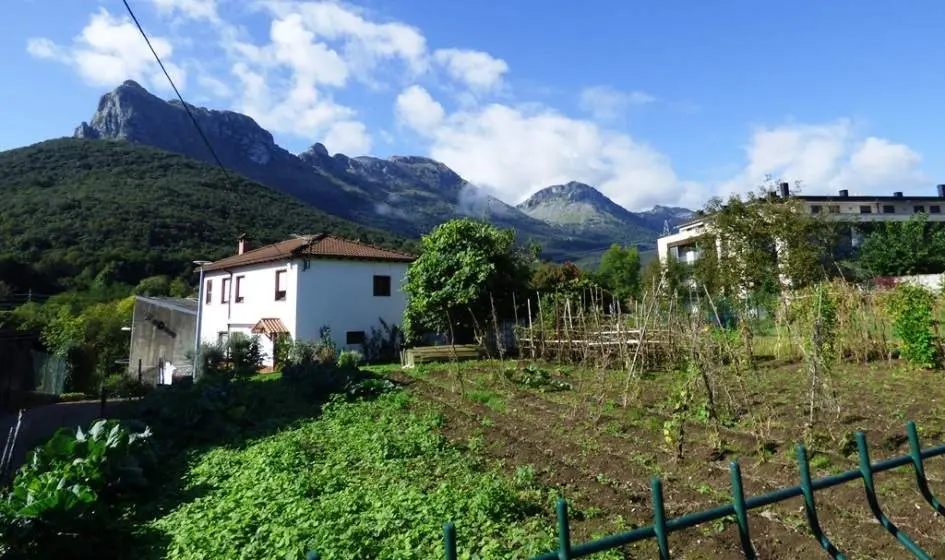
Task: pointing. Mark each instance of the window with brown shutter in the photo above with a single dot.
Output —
(239, 289)
(382, 286)
(280, 285)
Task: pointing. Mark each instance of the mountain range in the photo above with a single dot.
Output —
(405, 195)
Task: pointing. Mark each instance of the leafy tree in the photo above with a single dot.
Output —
(90, 339)
(765, 239)
(550, 277)
(619, 271)
(154, 286)
(915, 246)
(464, 268)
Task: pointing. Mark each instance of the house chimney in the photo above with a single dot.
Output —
(844, 193)
(785, 190)
(242, 244)
(941, 191)
(897, 194)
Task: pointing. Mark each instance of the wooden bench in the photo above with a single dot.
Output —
(425, 354)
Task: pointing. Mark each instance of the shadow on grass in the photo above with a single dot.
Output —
(189, 420)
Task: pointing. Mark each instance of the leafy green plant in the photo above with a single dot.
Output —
(349, 359)
(912, 308)
(535, 377)
(368, 479)
(64, 490)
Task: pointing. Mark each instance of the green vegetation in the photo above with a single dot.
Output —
(915, 246)
(324, 457)
(619, 272)
(365, 480)
(914, 323)
(467, 272)
(77, 211)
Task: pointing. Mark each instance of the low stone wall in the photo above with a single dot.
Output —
(41, 422)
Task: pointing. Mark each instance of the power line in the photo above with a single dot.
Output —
(193, 119)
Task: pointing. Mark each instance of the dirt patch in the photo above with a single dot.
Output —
(602, 457)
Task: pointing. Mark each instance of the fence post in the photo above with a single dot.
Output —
(564, 531)
(866, 469)
(659, 518)
(139, 370)
(916, 452)
(810, 506)
(741, 512)
(449, 541)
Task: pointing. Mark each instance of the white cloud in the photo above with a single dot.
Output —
(192, 9)
(515, 151)
(43, 48)
(478, 70)
(418, 110)
(606, 103)
(302, 78)
(110, 50)
(365, 43)
(825, 157)
(349, 137)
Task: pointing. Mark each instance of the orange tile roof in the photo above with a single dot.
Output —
(316, 246)
(270, 326)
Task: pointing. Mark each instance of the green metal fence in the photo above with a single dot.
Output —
(662, 527)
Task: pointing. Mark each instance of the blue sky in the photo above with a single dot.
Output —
(653, 102)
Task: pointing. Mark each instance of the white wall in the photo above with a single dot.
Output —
(340, 294)
(258, 290)
(931, 281)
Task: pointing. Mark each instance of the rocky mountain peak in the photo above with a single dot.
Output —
(571, 192)
(130, 112)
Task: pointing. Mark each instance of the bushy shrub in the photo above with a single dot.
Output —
(349, 359)
(245, 354)
(912, 308)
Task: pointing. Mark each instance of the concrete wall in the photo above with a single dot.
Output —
(153, 344)
(931, 281)
(340, 294)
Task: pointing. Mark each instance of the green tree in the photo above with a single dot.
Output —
(464, 268)
(619, 272)
(154, 286)
(915, 246)
(551, 277)
(90, 339)
(764, 239)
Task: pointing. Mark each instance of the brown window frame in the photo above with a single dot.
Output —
(225, 284)
(833, 209)
(889, 209)
(382, 285)
(208, 289)
(935, 209)
(866, 209)
(815, 209)
(281, 294)
(918, 209)
(238, 296)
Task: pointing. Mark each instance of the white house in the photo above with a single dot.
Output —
(297, 286)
